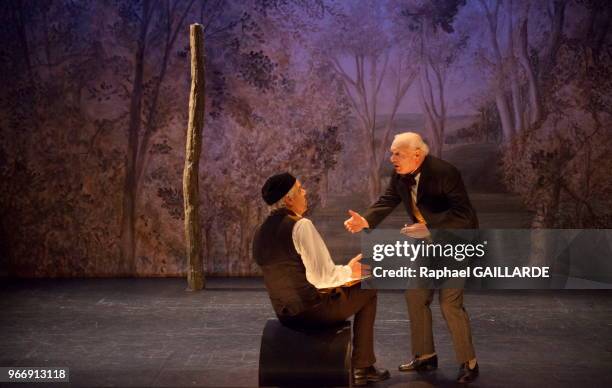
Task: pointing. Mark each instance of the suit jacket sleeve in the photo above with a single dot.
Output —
(461, 214)
(384, 206)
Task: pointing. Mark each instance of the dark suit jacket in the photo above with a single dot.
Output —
(441, 198)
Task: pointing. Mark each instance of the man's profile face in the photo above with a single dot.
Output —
(405, 159)
(298, 202)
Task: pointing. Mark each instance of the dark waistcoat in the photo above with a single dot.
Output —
(284, 272)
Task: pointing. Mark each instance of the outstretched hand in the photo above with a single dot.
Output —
(355, 223)
(358, 270)
(417, 230)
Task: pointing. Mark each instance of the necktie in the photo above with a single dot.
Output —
(410, 181)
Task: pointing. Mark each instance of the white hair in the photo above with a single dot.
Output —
(280, 204)
(410, 140)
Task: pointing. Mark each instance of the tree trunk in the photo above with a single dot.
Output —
(501, 102)
(434, 124)
(128, 217)
(555, 37)
(535, 110)
(504, 116)
(514, 83)
(513, 70)
(516, 100)
(23, 35)
(151, 124)
(193, 237)
(373, 181)
(541, 241)
(439, 138)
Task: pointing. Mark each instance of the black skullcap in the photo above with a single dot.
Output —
(276, 187)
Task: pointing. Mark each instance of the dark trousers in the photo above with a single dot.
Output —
(339, 305)
(457, 320)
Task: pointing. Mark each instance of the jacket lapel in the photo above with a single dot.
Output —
(400, 186)
(423, 179)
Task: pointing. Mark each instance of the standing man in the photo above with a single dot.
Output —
(296, 265)
(434, 196)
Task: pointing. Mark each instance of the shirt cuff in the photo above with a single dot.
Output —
(347, 273)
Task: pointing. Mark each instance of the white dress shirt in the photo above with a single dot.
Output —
(321, 271)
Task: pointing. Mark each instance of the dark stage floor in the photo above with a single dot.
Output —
(150, 332)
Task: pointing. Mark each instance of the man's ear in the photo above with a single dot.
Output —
(288, 201)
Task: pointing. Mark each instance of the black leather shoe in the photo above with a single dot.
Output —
(467, 375)
(417, 365)
(362, 376)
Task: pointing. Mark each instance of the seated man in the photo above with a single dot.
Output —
(296, 266)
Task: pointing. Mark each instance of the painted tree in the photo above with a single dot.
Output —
(360, 51)
(521, 66)
(569, 149)
(149, 30)
(429, 33)
(56, 153)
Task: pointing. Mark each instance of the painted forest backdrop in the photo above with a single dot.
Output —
(93, 114)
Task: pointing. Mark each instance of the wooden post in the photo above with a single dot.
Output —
(193, 235)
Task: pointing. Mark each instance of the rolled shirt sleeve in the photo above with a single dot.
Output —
(321, 271)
